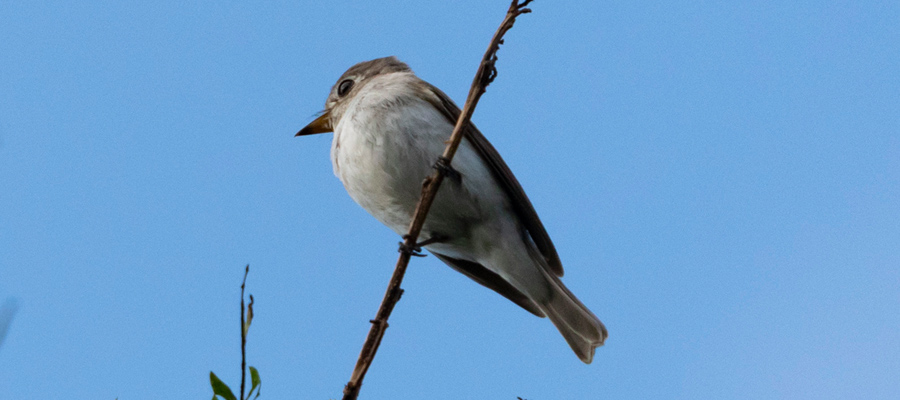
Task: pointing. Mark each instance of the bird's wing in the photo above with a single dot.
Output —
(505, 177)
(492, 281)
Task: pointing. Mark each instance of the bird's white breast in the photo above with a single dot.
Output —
(384, 145)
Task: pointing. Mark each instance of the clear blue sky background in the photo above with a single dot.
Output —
(722, 181)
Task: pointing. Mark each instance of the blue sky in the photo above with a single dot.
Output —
(721, 179)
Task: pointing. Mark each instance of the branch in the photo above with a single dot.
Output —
(485, 75)
(244, 333)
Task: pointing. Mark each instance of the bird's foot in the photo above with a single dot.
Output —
(443, 164)
(416, 249)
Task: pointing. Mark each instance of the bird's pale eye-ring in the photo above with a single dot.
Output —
(344, 87)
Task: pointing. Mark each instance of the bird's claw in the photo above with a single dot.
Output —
(414, 250)
(443, 164)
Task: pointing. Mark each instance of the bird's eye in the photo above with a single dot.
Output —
(344, 87)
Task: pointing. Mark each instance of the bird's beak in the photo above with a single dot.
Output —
(319, 125)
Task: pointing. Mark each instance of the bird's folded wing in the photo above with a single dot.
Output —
(504, 175)
(492, 281)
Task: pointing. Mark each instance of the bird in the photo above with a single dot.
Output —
(389, 128)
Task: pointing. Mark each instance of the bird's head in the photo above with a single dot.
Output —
(346, 87)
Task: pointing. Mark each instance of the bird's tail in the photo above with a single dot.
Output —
(578, 325)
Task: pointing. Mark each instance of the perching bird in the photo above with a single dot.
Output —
(389, 128)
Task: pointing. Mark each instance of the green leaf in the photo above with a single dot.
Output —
(220, 388)
(256, 382)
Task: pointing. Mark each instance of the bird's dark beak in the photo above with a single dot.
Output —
(319, 125)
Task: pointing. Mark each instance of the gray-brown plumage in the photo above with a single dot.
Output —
(389, 127)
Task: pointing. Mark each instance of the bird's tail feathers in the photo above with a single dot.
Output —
(578, 325)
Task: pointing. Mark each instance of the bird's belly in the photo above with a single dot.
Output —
(370, 183)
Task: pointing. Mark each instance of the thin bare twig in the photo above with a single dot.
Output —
(243, 334)
(487, 71)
